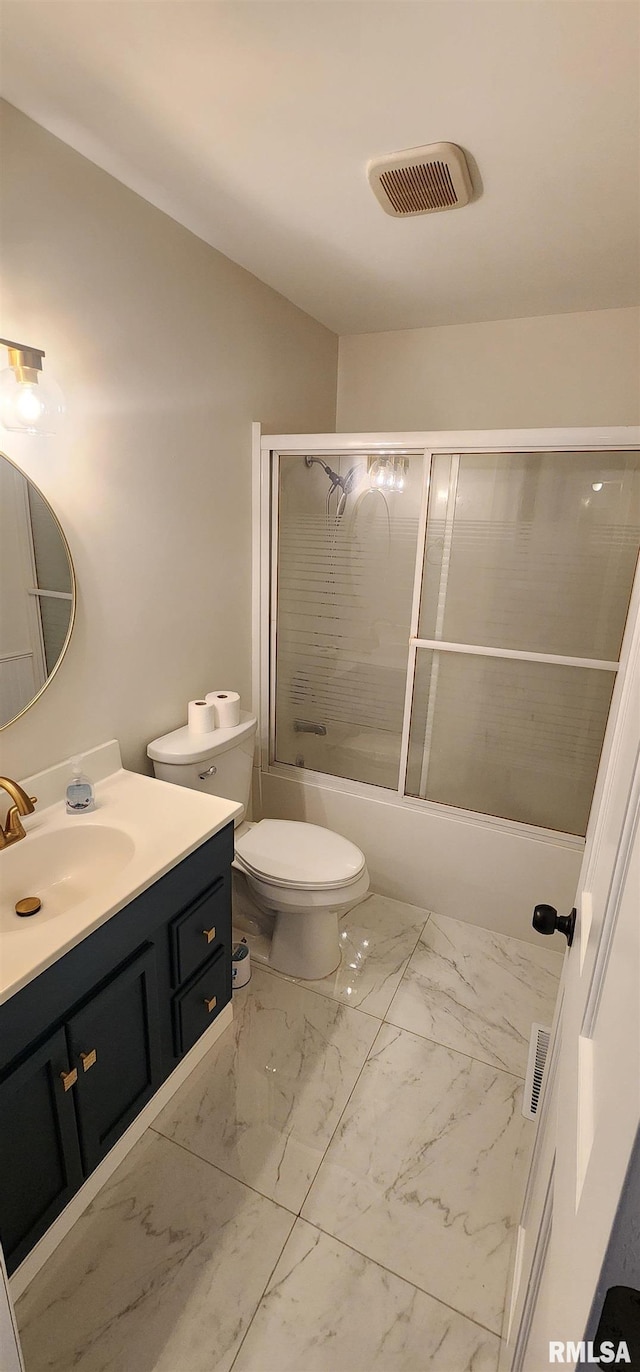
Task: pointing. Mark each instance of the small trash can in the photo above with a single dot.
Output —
(240, 965)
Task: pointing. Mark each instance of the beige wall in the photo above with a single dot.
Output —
(560, 369)
(166, 351)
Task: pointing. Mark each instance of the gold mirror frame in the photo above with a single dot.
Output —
(74, 597)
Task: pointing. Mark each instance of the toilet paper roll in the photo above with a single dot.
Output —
(201, 717)
(227, 708)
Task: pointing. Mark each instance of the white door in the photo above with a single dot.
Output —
(591, 1107)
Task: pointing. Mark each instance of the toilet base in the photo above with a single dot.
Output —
(305, 946)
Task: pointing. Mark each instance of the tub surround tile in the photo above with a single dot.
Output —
(424, 1174)
(265, 1102)
(377, 938)
(477, 992)
(163, 1271)
(329, 1309)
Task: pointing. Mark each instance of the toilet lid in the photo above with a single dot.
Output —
(289, 853)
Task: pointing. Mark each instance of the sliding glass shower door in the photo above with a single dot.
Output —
(345, 571)
(449, 625)
(528, 568)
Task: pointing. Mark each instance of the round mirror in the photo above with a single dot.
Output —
(37, 592)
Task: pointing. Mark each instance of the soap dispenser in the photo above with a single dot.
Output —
(80, 796)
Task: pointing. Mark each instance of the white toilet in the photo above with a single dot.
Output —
(303, 876)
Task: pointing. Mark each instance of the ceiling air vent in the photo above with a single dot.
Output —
(421, 180)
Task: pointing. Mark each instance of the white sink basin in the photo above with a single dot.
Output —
(85, 868)
(63, 867)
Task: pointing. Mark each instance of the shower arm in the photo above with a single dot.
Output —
(342, 483)
(334, 477)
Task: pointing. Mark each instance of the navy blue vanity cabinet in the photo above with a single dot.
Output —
(198, 1003)
(114, 1041)
(199, 931)
(85, 1045)
(40, 1166)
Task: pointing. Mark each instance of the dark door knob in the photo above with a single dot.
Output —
(546, 920)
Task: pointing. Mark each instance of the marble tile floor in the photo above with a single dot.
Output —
(425, 1171)
(282, 1076)
(335, 1188)
(377, 939)
(477, 992)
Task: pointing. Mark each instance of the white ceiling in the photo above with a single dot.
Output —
(252, 123)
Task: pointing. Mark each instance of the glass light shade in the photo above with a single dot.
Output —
(32, 406)
(387, 474)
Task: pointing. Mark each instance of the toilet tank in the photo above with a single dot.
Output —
(219, 763)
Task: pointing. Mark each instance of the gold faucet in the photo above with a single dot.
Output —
(23, 805)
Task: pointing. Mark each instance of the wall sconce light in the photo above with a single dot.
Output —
(29, 402)
(387, 472)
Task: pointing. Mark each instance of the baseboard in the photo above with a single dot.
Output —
(47, 1245)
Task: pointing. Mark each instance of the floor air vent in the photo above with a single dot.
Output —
(421, 180)
(538, 1049)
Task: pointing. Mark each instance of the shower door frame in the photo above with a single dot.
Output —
(267, 450)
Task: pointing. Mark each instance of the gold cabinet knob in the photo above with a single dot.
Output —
(211, 1004)
(69, 1079)
(210, 934)
(88, 1059)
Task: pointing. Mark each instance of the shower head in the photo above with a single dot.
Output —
(348, 484)
(344, 484)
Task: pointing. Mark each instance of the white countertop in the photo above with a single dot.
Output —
(158, 825)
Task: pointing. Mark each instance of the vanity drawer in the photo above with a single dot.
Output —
(196, 1007)
(199, 930)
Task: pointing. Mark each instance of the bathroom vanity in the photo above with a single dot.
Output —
(86, 1042)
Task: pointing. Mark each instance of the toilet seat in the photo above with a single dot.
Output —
(291, 853)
